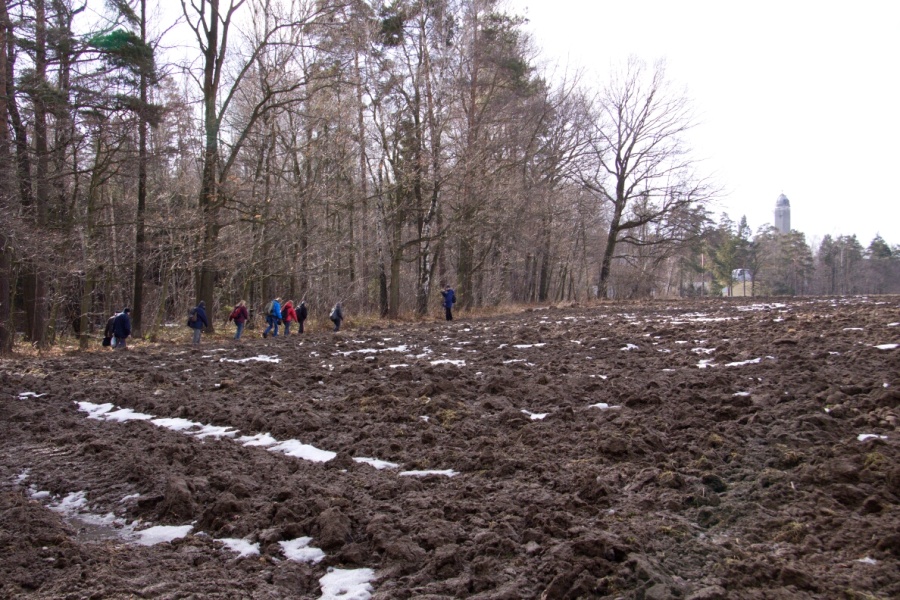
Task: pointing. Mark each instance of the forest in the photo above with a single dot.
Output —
(359, 151)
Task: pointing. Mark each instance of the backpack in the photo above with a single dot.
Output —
(234, 314)
(270, 308)
(110, 327)
(109, 330)
(192, 317)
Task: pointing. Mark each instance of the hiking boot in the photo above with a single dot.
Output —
(265, 335)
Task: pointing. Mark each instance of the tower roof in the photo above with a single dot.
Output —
(782, 201)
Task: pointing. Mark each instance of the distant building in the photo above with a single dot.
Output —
(783, 214)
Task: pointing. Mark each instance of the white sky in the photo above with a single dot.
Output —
(794, 97)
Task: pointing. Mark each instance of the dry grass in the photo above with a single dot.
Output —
(179, 334)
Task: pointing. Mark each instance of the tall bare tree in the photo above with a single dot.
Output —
(638, 164)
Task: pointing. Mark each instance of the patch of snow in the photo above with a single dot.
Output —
(175, 424)
(425, 418)
(535, 416)
(703, 350)
(304, 451)
(162, 533)
(374, 462)
(347, 584)
(95, 411)
(706, 362)
(629, 347)
(752, 361)
(867, 561)
(126, 414)
(853, 329)
(868, 436)
(895, 324)
(447, 361)
(260, 358)
(27, 395)
(397, 366)
(741, 394)
(402, 348)
(215, 431)
(260, 439)
(242, 547)
(445, 472)
(524, 346)
(70, 504)
(887, 346)
(604, 406)
(299, 550)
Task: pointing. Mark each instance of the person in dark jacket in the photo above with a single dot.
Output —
(240, 316)
(199, 321)
(336, 316)
(449, 300)
(122, 329)
(288, 315)
(302, 313)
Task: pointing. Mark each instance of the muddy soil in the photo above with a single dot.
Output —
(694, 449)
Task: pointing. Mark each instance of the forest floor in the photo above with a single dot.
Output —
(697, 449)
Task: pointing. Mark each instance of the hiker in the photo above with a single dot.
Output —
(197, 320)
(302, 313)
(121, 329)
(273, 317)
(240, 316)
(288, 315)
(449, 300)
(336, 316)
(108, 330)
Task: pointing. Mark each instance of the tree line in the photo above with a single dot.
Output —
(352, 150)
(785, 264)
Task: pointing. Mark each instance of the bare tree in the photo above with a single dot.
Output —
(637, 162)
(212, 22)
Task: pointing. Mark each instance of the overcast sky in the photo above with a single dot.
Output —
(794, 97)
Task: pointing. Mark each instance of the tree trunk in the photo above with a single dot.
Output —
(137, 303)
(7, 330)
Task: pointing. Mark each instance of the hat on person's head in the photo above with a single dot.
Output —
(127, 310)
(202, 303)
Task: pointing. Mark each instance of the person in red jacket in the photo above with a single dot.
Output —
(240, 316)
(288, 315)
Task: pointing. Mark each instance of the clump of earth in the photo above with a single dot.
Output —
(699, 449)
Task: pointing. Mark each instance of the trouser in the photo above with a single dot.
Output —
(287, 328)
(337, 324)
(448, 312)
(121, 344)
(197, 331)
(240, 330)
(273, 324)
(300, 323)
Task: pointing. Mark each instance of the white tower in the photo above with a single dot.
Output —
(783, 214)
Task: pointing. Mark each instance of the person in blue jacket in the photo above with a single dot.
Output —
(449, 300)
(122, 329)
(198, 320)
(273, 317)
